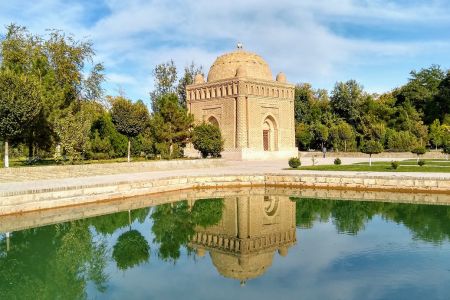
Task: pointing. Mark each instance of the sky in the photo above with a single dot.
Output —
(321, 42)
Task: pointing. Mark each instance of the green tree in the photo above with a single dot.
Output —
(436, 133)
(421, 90)
(442, 99)
(346, 100)
(165, 75)
(419, 151)
(129, 118)
(207, 139)
(188, 78)
(321, 132)
(20, 106)
(303, 135)
(171, 126)
(372, 147)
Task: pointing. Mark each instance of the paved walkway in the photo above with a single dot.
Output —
(65, 179)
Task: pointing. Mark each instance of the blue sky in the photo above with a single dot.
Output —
(375, 42)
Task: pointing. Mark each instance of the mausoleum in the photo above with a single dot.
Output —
(254, 112)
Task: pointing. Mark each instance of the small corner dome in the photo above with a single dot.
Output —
(281, 77)
(241, 71)
(199, 79)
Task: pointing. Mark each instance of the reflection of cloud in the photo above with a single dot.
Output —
(306, 39)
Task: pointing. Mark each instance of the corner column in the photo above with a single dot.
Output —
(241, 122)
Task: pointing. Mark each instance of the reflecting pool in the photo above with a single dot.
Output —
(238, 246)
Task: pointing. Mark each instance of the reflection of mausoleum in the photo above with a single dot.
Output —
(254, 112)
(252, 228)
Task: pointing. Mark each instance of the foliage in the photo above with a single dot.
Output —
(337, 161)
(171, 127)
(129, 118)
(372, 147)
(131, 250)
(421, 162)
(208, 140)
(294, 162)
(395, 164)
(207, 212)
(419, 150)
(400, 140)
(165, 75)
(20, 103)
(346, 100)
(188, 78)
(303, 135)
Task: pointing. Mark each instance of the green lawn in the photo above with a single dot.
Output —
(432, 165)
(22, 162)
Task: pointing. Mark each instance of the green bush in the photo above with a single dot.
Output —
(294, 162)
(394, 165)
(337, 161)
(421, 162)
(208, 140)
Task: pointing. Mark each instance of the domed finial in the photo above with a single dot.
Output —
(281, 77)
(198, 79)
(239, 46)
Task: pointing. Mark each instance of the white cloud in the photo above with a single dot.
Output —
(293, 36)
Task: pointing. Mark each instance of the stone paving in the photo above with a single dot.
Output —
(64, 177)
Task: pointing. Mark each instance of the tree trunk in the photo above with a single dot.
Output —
(7, 241)
(6, 162)
(345, 146)
(370, 160)
(417, 158)
(30, 151)
(129, 218)
(129, 148)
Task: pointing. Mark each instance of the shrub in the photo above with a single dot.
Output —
(337, 161)
(394, 165)
(421, 162)
(208, 140)
(294, 162)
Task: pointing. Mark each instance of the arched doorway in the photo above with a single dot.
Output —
(213, 121)
(269, 134)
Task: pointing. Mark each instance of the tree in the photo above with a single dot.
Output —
(419, 151)
(345, 133)
(20, 106)
(129, 118)
(188, 78)
(208, 140)
(372, 147)
(442, 99)
(131, 250)
(165, 75)
(436, 133)
(321, 133)
(171, 126)
(303, 135)
(346, 99)
(421, 90)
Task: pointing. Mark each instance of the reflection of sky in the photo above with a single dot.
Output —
(381, 262)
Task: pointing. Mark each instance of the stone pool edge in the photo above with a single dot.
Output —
(63, 196)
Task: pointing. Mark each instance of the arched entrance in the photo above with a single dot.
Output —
(269, 134)
(213, 121)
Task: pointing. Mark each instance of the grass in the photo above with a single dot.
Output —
(22, 162)
(431, 165)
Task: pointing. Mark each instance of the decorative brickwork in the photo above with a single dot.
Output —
(244, 99)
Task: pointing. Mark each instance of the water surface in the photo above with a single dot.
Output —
(236, 247)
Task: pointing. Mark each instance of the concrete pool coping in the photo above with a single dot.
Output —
(19, 197)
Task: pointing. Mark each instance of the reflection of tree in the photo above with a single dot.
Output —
(52, 262)
(426, 222)
(173, 224)
(110, 223)
(207, 212)
(130, 250)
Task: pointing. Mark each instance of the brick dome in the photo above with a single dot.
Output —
(226, 66)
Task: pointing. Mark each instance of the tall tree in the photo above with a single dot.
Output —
(346, 100)
(129, 118)
(20, 105)
(165, 75)
(188, 78)
(171, 126)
